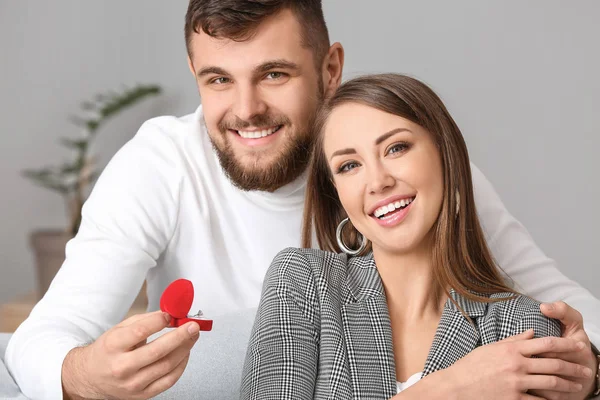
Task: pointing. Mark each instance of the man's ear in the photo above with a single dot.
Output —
(332, 68)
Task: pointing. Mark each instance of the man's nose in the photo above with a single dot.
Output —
(249, 103)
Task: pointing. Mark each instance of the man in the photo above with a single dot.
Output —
(212, 197)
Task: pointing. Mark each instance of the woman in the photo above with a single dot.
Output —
(415, 288)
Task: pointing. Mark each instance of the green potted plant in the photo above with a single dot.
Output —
(73, 180)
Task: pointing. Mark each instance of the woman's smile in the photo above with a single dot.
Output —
(393, 212)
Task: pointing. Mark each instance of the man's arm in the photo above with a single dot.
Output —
(517, 254)
(127, 223)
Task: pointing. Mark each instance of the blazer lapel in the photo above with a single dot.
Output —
(455, 337)
(366, 325)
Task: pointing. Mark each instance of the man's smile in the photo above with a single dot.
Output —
(258, 133)
(256, 137)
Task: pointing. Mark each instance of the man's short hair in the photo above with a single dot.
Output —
(238, 20)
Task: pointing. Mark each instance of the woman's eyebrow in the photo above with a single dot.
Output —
(343, 152)
(380, 139)
(390, 133)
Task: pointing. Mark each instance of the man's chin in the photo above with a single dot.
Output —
(264, 168)
(262, 173)
(256, 161)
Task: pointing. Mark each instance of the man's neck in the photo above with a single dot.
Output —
(291, 194)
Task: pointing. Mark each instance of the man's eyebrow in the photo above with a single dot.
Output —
(390, 133)
(211, 70)
(264, 67)
(275, 64)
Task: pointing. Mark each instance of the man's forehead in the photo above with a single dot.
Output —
(278, 37)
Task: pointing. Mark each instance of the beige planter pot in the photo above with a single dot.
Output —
(49, 250)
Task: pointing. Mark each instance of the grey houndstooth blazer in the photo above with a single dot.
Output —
(323, 331)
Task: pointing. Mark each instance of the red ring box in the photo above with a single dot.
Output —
(177, 300)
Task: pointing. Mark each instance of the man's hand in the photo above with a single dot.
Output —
(120, 364)
(572, 324)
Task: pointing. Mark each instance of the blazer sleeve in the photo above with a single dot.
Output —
(283, 351)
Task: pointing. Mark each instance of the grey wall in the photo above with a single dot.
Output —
(519, 77)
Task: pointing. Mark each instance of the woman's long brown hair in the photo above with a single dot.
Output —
(460, 256)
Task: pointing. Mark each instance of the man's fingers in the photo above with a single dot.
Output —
(550, 395)
(555, 366)
(528, 396)
(550, 383)
(166, 344)
(165, 365)
(528, 334)
(549, 344)
(566, 314)
(166, 381)
(572, 357)
(135, 318)
(138, 330)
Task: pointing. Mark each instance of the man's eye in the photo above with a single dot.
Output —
(220, 80)
(274, 75)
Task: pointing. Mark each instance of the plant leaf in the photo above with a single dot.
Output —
(128, 97)
(77, 144)
(46, 178)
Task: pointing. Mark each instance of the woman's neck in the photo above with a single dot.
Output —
(410, 287)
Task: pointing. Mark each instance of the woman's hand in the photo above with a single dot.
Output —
(505, 370)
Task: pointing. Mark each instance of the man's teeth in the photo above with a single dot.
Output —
(257, 134)
(381, 211)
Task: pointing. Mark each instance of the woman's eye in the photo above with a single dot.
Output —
(397, 148)
(348, 166)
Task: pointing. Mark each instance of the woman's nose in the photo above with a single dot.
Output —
(379, 179)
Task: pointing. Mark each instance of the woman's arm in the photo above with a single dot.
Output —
(283, 352)
(500, 371)
(505, 369)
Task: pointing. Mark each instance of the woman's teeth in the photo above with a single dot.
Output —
(383, 210)
(258, 134)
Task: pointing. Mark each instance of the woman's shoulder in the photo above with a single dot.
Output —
(304, 256)
(514, 303)
(292, 264)
(522, 313)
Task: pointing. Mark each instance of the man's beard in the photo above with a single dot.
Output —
(286, 167)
